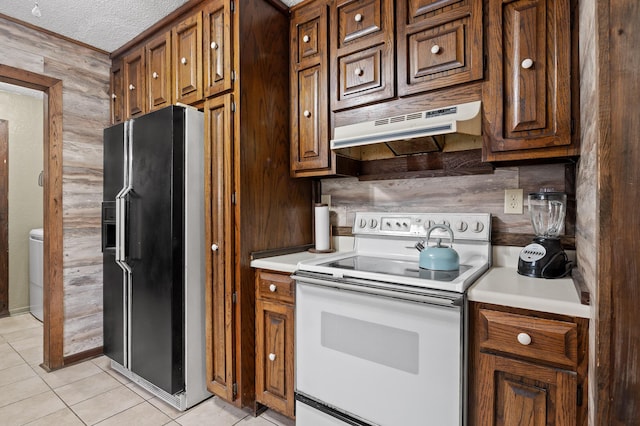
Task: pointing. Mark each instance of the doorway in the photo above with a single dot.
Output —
(53, 315)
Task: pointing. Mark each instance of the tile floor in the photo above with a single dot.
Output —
(90, 392)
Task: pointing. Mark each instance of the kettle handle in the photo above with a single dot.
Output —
(440, 226)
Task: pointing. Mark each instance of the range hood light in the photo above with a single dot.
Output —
(462, 118)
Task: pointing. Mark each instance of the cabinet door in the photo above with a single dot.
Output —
(187, 59)
(218, 47)
(527, 99)
(362, 52)
(117, 92)
(159, 72)
(513, 392)
(274, 356)
(310, 154)
(439, 44)
(134, 84)
(220, 248)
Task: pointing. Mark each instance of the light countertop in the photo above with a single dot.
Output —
(502, 285)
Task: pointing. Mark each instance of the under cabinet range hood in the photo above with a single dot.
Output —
(418, 129)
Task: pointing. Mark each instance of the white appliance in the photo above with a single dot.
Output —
(380, 341)
(36, 243)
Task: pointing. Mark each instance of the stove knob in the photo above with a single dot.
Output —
(373, 223)
(363, 223)
(478, 227)
(461, 226)
(445, 222)
(428, 224)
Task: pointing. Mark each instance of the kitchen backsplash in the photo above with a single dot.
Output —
(477, 193)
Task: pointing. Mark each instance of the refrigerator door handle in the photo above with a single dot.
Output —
(121, 228)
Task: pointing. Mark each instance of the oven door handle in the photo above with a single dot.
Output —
(454, 301)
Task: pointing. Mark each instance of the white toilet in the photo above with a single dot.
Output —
(36, 237)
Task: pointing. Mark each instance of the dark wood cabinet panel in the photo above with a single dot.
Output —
(187, 59)
(158, 79)
(526, 367)
(362, 52)
(439, 44)
(219, 240)
(217, 47)
(275, 341)
(117, 92)
(134, 84)
(528, 98)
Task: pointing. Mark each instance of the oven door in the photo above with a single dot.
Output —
(385, 358)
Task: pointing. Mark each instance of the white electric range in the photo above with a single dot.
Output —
(379, 340)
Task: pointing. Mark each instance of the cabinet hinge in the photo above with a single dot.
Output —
(233, 198)
(573, 126)
(234, 389)
(484, 62)
(233, 6)
(579, 396)
(233, 75)
(234, 297)
(233, 107)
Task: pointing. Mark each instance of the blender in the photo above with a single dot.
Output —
(544, 257)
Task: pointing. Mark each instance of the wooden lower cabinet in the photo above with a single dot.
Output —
(275, 341)
(526, 367)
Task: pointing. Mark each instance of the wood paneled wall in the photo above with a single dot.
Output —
(85, 76)
(478, 193)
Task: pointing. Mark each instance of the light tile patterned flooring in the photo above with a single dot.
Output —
(91, 392)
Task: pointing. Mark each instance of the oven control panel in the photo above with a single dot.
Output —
(465, 226)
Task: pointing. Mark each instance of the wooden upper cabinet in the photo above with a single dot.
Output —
(439, 44)
(528, 96)
(187, 59)
(117, 92)
(134, 84)
(310, 154)
(362, 52)
(158, 79)
(217, 48)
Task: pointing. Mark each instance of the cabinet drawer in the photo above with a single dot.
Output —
(307, 39)
(547, 341)
(359, 19)
(360, 72)
(274, 286)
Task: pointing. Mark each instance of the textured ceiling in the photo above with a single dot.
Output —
(105, 24)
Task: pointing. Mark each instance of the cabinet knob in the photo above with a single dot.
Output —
(132, 87)
(306, 39)
(524, 339)
(272, 288)
(184, 61)
(272, 356)
(358, 17)
(358, 72)
(113, 96)
(306, 113)
(214, 247)
(154, 75)
(527, 63)
(435, 49)
(214, 45)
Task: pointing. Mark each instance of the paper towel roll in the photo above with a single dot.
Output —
(323, 241)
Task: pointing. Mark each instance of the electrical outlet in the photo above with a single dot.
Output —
(513, 201)
(326, 199)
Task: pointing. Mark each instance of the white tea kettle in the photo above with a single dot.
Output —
(438, 257)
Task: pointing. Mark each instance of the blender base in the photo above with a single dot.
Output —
(544, 258)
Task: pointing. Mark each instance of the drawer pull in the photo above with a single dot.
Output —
(155, 75)
(306, 113)
(272, 356)
(524, 339)
(214, 247)
(358, 17)
(184, 61)
(435, 49)
(214, 45)
(132, 87)
(358, 72)
(527, 63)
(273, 288)
(113, 96)
(306, 39)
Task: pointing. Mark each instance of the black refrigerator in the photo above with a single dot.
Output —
(153, 253)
